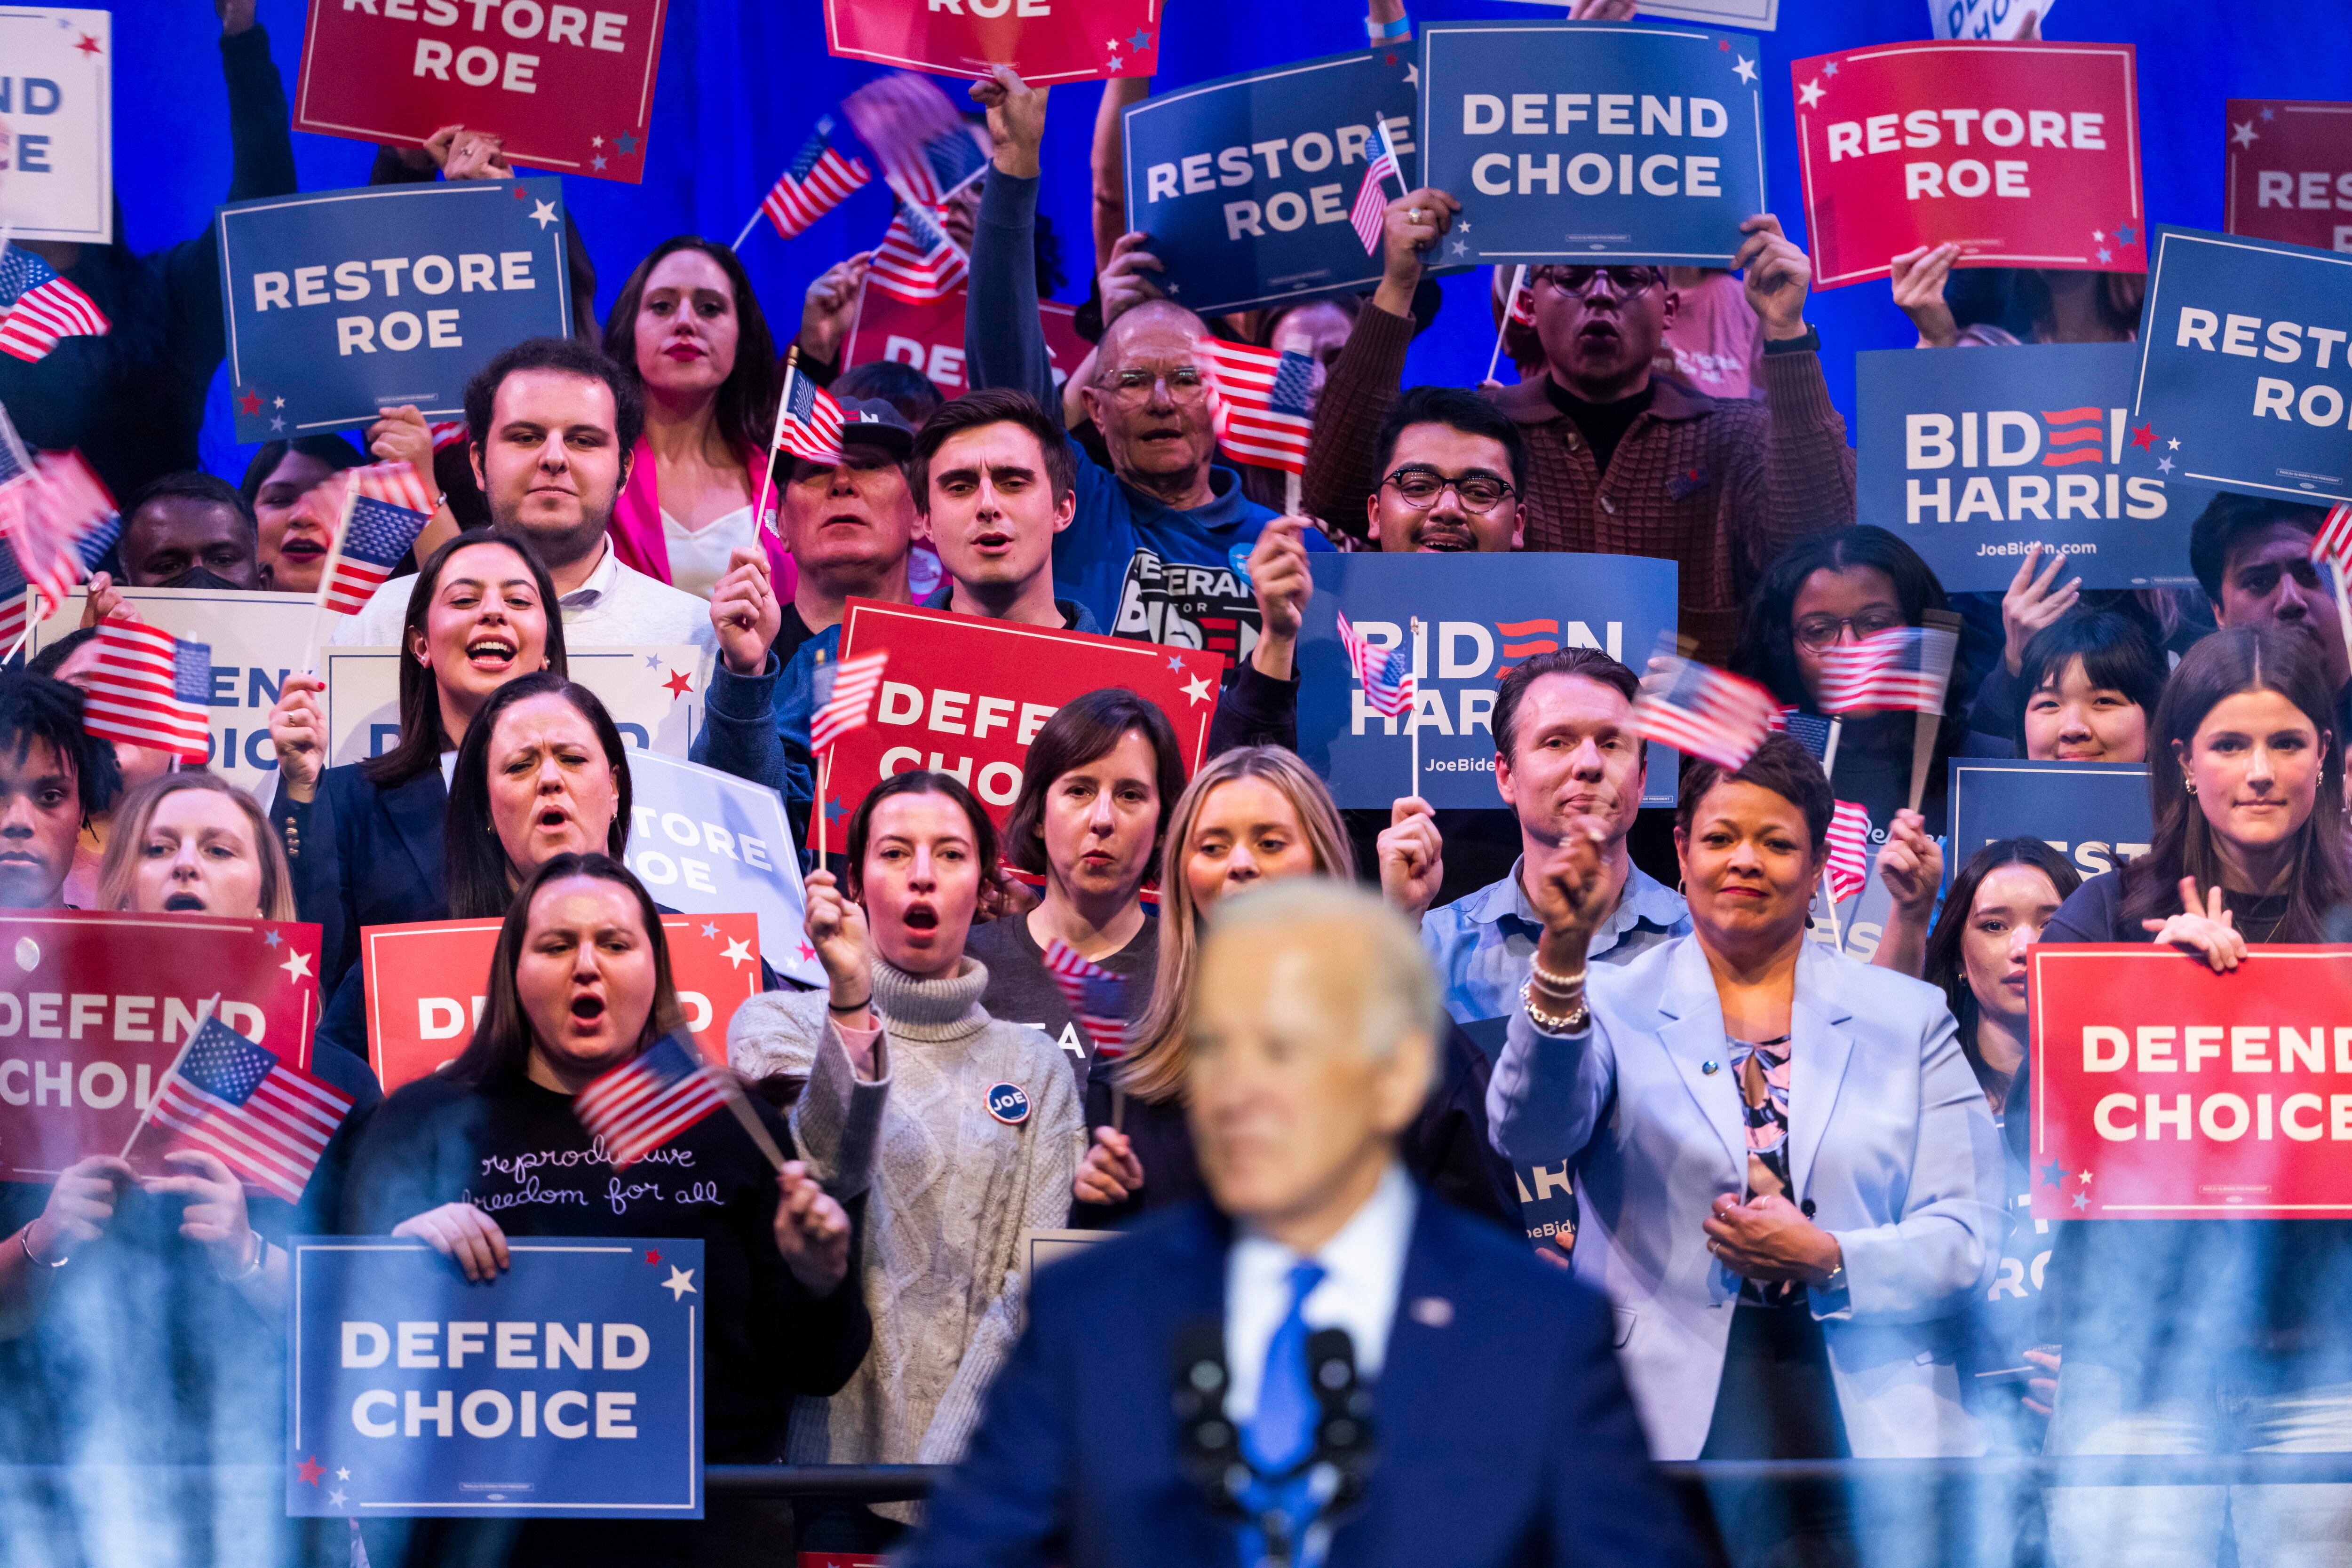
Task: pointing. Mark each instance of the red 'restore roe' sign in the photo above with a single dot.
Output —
(567, 87)
(2022, 154)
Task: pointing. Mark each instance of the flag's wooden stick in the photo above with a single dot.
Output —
(741, 1103)
(334, 559)
(1518, 278)
(1829, 893)
(1292, 482)
(824, 780)
(1922, 733)
(775, 434)
(1411, 727)
(748, 225)
(2343, 613)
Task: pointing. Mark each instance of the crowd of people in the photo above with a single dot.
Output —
(1798, 1173)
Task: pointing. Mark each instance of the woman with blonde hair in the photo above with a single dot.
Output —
(1254, 814)
(194, 842)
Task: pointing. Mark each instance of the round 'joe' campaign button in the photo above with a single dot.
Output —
(1008, 1102)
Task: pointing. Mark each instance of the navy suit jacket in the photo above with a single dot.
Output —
(1504, 1432)
(368, 857)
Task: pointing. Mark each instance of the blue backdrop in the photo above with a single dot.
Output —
(742, 81)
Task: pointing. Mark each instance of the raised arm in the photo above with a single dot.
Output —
(1004, 344)
(1806, 481)
(1110, 162)
(1558, 1074)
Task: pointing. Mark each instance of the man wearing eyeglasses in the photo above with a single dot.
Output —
(1619, 461)
(1158, 548)
(1451, 463)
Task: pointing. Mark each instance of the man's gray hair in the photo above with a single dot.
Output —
(1400, 991)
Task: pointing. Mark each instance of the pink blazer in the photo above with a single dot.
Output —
(638, 534)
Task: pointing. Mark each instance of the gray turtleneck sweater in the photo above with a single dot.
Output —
(952, 1186)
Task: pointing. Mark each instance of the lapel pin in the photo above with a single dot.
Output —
(1431, 1312)
(1710, 1065)
(1009, 1103)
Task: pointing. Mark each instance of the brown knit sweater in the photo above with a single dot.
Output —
(1717, 486)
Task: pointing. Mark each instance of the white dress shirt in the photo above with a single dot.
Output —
(1364, 1270)
(618, 606)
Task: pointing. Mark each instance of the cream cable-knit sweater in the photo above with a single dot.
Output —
(952, 1187)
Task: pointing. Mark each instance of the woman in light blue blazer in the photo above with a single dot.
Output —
(1790, 1185)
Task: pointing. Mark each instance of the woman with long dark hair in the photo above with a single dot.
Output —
(976, 1142)
(295, 539)
(579, 983)
(365, 838)
(2000, 903)
(687, 328)
(2167, 1323)
(1098, 789)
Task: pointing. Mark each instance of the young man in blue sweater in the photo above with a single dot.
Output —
(1160, 544)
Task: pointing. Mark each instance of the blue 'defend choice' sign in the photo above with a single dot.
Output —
(1974, 458)
(1580, 142)
(570, 1385)
(1480, 615)
(1245, 184)
(2244, 379)
(344, 302)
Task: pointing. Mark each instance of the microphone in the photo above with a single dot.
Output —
(1209, 1451)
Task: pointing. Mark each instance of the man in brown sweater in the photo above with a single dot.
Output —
(1619, 463)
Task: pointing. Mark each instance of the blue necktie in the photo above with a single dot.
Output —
(1282, 1433)
(1282, 1430)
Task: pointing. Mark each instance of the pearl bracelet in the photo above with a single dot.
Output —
(1570, 1023)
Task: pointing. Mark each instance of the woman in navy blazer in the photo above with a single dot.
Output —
(1791, 1186)
(364, 839)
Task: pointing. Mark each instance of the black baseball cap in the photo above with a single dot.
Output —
(865, 422)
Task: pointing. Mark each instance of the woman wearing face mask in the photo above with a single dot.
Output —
(2000, 903)
(365, 838)
(2166, 1322)
(689, 329)
(1787, 1171)
(1252, 814)
(294, 539)
(1096, 790)
(977, 1140)
(579, 984)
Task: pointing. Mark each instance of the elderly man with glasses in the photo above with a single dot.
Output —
(1618, 461)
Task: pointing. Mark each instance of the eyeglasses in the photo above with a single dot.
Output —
(1132, 388)
(1815, 632)
(1627, 281)
(1420, 488)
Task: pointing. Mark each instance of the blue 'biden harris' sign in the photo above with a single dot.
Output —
(344, 302)
(569, 1386)
(1579, 141)
(2245, 378)
(1479, 614)
(1973, 459)
(1245, 184)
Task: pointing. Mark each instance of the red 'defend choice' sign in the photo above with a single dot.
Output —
(2291, 172)
(929, 338)
(428, 982)
(2164, 1090)
(567, 87)
(966, 697)
(94, 1008)
(2022, 154)
(1046, 40)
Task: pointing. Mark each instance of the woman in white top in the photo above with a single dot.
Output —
(688, 330)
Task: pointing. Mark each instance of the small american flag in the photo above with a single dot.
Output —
(649, 1099)
(1261, 410)
(150, 689)
(818, 180)
(64, 512)
(808, 422)
(1908, 667)
(266, 1119)
(1810, 729)
(917, 261)
(15, 462)
(916, 134)
(2332, 543)
(1387, 679)
(845, 698)
(38, 306)
(1522, 308)
(1849, 868)
(1703, 711)
(1095, 998)
(15, 500)
(1372, 195)
(386, 508)
(451, 432)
